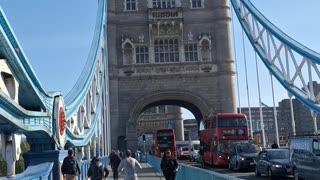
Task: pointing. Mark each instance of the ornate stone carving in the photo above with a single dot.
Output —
(139, 70)
(161, 69)
(205, 46)
(143, 70)
(131, 127)
(191, 68)
(206, 67)
(190, 36)
(165, 28)
(128, 52)
(175, 69)
(128, 71)
(141, 39)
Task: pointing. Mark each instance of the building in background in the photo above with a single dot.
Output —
(302, 116)
(269, 124)
(268, 117)
(190, 129)
(161, 117)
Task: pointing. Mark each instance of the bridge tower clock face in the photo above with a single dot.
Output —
(59, 117)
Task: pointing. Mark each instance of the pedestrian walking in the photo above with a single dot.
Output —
(274, 145)
(114, 162)
(121, 155)
(70, 167)
(169, 165)
(96, 170)
(201, 156)
(138, 155)
(130, 166)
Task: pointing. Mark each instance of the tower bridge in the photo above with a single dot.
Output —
(143, 54)
(165, 59)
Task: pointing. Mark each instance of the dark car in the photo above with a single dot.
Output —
(305, 157)
(273, 162)
(242, 156)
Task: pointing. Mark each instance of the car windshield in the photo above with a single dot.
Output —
(185, 149)
(223, 146)
(278, 154)
(196, 146)
(248, 148)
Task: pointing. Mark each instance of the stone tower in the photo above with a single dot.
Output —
(158, 117)
(167, 52)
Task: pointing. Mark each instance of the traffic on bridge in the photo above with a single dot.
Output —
(175, 89)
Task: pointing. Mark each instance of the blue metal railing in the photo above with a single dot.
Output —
(35, 171)
(187, 172)
(154, 162)
(44, 171)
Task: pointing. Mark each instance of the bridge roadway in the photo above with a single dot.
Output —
(241, 175)
(146, 173)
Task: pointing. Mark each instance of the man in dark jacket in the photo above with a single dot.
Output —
(70, 166)
(114, 162)
(274, 145)
(96, 170)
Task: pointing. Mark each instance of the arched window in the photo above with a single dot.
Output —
(205, 48)
(128, 53)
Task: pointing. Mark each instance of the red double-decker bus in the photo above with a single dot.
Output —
(218, 132)
(165, 139)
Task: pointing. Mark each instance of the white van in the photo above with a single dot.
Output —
(188, 149)
(194, 147)
(305, 157)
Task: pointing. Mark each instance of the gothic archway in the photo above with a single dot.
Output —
(189, 100)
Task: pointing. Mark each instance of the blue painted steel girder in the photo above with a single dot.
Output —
(298, 48)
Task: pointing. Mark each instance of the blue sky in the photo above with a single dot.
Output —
(56, 37)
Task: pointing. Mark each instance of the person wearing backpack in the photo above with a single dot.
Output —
(70, 166)
(169, 166)
(96, 170)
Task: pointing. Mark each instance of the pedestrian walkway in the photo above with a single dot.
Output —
(146, 173)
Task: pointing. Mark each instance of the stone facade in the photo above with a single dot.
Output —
(190, 129)
(175, 52)
(161, 117)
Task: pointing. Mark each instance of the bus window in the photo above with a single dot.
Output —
(208, 124)
(196, 146)
(202, 126)
(232, 122)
